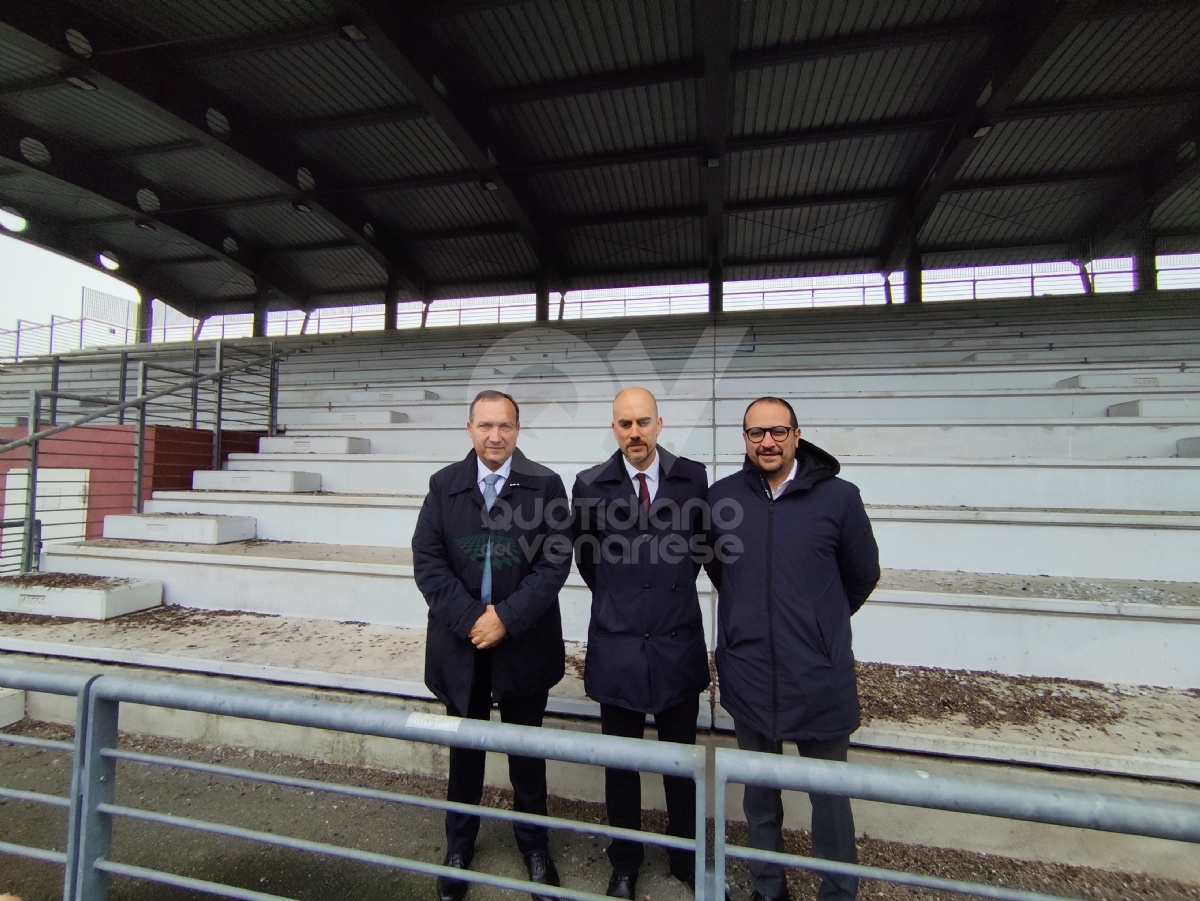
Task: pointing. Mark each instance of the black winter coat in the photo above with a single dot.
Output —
(808, 561)
(530, 525)
(646, 647)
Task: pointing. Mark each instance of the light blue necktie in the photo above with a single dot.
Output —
(489, 498)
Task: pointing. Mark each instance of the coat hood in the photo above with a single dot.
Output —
(813, 465)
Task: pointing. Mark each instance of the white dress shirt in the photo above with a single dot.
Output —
(482, 472)
(778, 491)
(651, 474)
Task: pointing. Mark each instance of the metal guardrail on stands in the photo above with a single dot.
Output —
(89, 469)
(89, 863)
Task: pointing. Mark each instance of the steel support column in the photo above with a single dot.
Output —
(913, 283)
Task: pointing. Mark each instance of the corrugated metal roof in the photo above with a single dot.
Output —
(483, 289)
(214, 278)
(1127, 53)
(32, 192)
(160, 244)
(834, 230)
(426, 209)
(1020, 215)
(21, 64)
(277, 224)
(92, 118)
(1181, 210)
(634, 186)
(485, 257)
(373, 153)
(770, 23)
(342, 269)
(304, 81)
(665, 242)
(204, 175)
(207, 20)
(998, 256)
(645, 277)
(854, 88)
(652, 116)
(863, 164)
(1072, 143)
(527, 43)
(800, 269)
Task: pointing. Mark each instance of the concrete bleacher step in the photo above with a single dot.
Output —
(1188, 447)
(1101, 630)
(338, 519)
(1160, 408)
(1137, 380)
(304, 444)
(77, 596)
(198, 529)
(363, 417)
(260, 481)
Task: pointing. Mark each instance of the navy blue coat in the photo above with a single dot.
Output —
(646, 647)
(807, 561)
(530, 525)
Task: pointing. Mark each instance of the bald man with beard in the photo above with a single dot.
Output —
(640, 535)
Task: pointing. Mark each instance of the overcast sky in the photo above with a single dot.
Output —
(35, 283)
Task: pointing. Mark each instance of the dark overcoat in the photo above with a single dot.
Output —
(789, 573)
(646, 647)
(530, 527)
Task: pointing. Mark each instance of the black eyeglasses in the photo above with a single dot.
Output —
(778, 432)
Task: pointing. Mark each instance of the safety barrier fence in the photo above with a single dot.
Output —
(92, 809)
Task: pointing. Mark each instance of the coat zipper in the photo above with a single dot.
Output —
(771, 608)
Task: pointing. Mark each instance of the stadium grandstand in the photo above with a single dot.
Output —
(962, 237)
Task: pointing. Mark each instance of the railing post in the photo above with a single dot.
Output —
(195, 388)
(55, 371)
(139, 446)
(704, 884)
(216, 442)
(98, 778)
(28, 549)
(122, 385)
(17, 348)
(720, 787)
(273, 395)
(75, 811)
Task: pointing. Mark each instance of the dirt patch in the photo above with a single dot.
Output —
(63, 580)
(1123, 591)
(907, 693)
(575, 661)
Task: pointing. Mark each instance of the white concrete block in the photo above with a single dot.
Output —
(285, 482)
(363, 417)
(1174, 408)
(1132, 380)
(104, 599)
(185, 529)
(317, 444)
(12, 706)
(1187, 447)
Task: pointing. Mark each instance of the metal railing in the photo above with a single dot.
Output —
(84, 466)
(89, 865)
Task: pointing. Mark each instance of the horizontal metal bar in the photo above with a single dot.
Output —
(71, 395)
(184, 882)
(185, 372)
(371, 857)
(16, 794)
(1060, 807)
(32, 742)
(667, 758)
(35, 853)
(917, 880)
(48, 681)
(665, 841)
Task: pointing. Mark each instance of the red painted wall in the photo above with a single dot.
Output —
(172, 455)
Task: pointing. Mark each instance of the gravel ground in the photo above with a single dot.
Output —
(1125, 591)
(63, 580)
(373, 825)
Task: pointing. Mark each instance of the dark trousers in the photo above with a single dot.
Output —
(623, 788)
(832, 821)
(527, 774)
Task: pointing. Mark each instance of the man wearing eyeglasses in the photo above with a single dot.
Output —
(491, 551)
(807, 560)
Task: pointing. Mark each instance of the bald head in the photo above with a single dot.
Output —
(636, 425)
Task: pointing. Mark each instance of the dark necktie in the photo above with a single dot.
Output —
(643, 491)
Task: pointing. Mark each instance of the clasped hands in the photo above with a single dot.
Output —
(488, 630)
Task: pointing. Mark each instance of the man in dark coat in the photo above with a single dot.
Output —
(794, 558)
(491, 551)
(639, 529)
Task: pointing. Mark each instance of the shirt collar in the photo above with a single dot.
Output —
(651, 471)
(795, 468)
(482, 472)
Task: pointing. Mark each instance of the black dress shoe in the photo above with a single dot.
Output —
(782, 896)
(621, 886)
(686, 875)
(453, 889)
(542, 871)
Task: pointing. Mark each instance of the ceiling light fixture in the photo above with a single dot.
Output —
(145, 225)
(491, 186)
(300, 206)
(352, 32)
(982, 131)
(11, 220)
(78, 81)
(108, 260)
